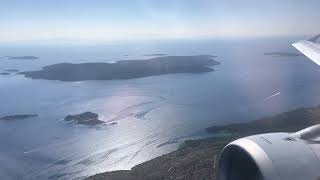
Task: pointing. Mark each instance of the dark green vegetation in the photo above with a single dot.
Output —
(197, 159)
(23, 57)
(17, 117)
(125, 69)
(282, 54)
(87, 118)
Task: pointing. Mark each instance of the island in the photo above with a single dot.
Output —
(86, 118)
(17, 117)
(11, 70)
(125, 69)
(4, 73)
(23, 57)
(156, 54)
(282, 54)
(198, 159)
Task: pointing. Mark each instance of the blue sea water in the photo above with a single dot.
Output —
(154, 115)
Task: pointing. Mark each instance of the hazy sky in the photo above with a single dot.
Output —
(109, 20)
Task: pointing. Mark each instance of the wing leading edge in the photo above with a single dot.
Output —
(309, 48)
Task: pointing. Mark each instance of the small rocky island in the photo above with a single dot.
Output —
(125, 69)
(86, 118)
(17, 117)
(23, 57)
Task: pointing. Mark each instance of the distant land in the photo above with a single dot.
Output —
(17, 117)
(198, 159)
(86, 118)
(4, 73)
(282, 54)
(288, 121)
(156, 54)
(11, 70)
(8, 71)
(23, 57)
(125, 69)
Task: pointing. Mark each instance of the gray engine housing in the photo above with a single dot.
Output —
(274, 156)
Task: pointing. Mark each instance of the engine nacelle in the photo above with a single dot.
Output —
(274, 156)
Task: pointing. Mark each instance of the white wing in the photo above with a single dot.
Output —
(309, 48)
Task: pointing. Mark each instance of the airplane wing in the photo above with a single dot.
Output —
(309, 48)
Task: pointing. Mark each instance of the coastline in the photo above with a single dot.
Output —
(198, 159)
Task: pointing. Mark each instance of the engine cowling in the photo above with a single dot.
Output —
(274, 156)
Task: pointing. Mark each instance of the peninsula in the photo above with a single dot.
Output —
(125, 69)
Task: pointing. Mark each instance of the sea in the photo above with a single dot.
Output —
(154, 115)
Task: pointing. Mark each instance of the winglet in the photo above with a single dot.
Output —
(315, 38)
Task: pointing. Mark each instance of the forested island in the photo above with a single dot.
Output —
(125, 69)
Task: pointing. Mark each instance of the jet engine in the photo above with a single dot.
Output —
(274, 156)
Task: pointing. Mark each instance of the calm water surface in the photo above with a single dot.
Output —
(154, 114)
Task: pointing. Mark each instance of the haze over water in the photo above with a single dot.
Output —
(154, 114)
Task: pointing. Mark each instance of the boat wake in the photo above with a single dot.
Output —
(272, 96)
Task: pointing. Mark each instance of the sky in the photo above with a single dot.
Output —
(112, 20)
